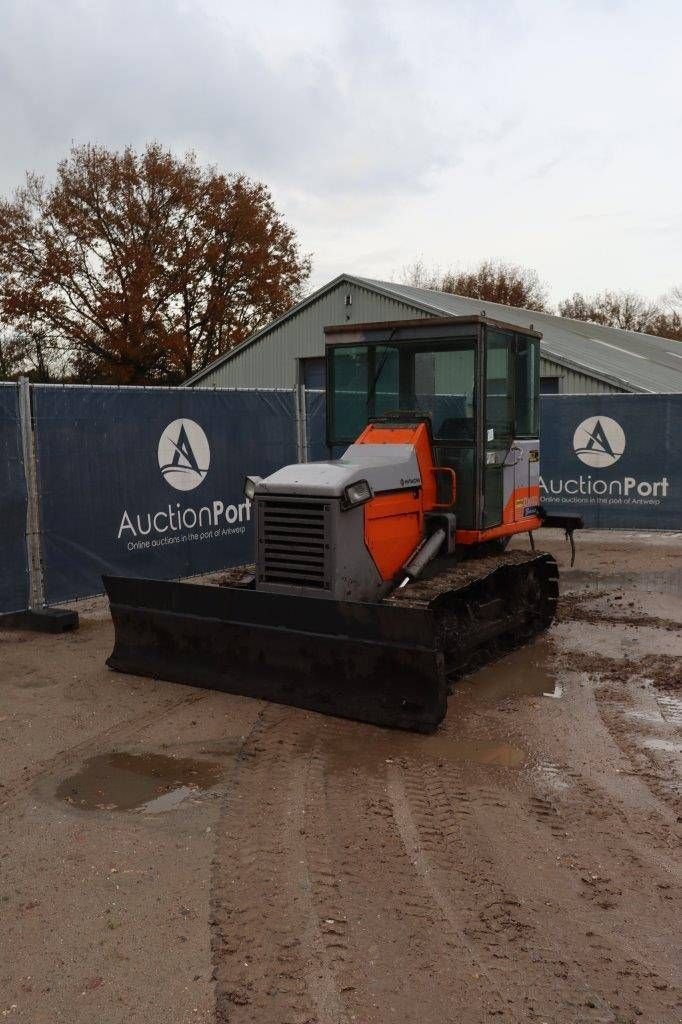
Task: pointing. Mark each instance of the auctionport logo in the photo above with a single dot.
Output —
(184, 454)
(184, 457)
(599, 441)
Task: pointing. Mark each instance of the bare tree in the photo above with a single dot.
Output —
(672, 300)
(627, 310)
(12, 355)
(31, 354)
(489, 281)
(418, 275)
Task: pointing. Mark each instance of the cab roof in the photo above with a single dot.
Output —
(425, 325)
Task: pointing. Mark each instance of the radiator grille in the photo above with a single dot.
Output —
(293, 542)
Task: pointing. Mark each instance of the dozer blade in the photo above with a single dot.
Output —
(375, 663)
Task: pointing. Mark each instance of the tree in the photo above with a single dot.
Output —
(672, 300)
(669, 323)
(627, 310)
(490, 281)
(143, 267)
(29, 354)
(12, 355)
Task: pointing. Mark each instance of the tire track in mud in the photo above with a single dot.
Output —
(425, 836)
(617, 893)
(388, 891)
(331, 912)
(590, 868)
(663, 781)
(319, 916)
(408, 960)
(443, 817)
(273, 952)
(567, 966)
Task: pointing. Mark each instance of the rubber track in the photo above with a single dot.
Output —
(521, 588)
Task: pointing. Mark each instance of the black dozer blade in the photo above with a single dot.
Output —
(386, 663)
(369, 662)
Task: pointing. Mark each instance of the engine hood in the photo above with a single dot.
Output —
(386, 467)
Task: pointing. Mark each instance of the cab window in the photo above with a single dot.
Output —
(527, 380)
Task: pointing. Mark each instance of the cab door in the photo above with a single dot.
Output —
(524, 494)
(498, 468)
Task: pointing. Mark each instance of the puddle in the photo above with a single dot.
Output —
(33, 683)
(523, 673)
(152, 783)
(488, 752)
(551, 776)
(651, 717)
(346, 750)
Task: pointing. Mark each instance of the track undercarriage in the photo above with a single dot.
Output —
(485, 606)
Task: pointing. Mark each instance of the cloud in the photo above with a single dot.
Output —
(457, 129)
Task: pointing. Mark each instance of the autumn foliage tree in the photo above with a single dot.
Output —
(628, 311)
(490, 281)
(142, 267)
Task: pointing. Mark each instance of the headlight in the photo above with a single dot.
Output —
(250, 484)
(357, 494)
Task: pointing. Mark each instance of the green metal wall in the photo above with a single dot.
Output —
(271, 361)
(574, 383)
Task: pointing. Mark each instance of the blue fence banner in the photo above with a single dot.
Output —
(316, 425)
(614, 459)
(13, 554)
(316, 429)
(148, 482)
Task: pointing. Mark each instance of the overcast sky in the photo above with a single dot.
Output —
(546, 133)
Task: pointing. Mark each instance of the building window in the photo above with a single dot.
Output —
(549, 385)
(313, 374)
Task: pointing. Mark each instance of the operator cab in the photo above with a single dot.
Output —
(477, 380)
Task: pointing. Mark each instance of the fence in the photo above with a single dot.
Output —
(148, 482)
(14, 593)
(614, 459)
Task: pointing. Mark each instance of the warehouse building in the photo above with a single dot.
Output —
(577, 357)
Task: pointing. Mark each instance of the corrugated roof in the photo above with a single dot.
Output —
(637, 362)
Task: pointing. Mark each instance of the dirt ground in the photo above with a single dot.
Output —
(176, 855)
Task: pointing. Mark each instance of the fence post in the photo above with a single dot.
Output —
(36, 616)
(35, 565)
(301, 416)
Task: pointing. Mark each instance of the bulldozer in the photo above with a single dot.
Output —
(381, 575)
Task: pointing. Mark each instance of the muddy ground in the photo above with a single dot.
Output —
(175, 855)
